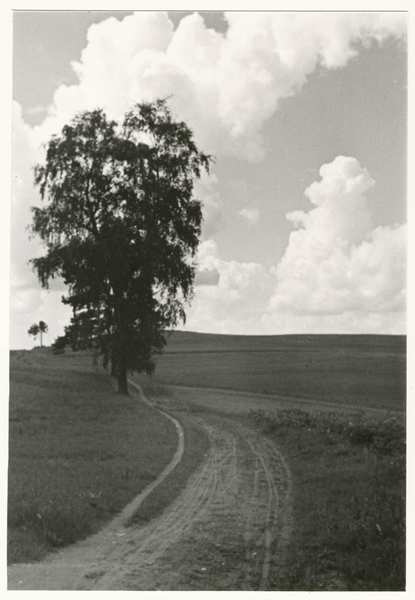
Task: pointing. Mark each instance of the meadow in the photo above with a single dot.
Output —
(349, 533)
(78, 452)
(363, 371)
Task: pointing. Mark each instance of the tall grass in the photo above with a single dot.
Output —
(78, 452)
(349, 499)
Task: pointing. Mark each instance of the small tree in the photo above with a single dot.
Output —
(34, 330)
(37, 328)
(121, 228)
(43, 328)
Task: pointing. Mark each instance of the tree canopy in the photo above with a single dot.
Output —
(34, 330)
(121, 226)
(37, 328)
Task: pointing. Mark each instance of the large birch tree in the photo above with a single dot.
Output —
(121, 226)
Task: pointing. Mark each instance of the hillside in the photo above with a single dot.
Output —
(363, 370)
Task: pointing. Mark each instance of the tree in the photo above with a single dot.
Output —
(43, 328)
(59, 345)
(34, 330)
(37, 328)
(122, 228)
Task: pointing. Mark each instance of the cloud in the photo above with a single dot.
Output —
(339, 274)
(207, 277)
(25, 155)
(335, 262)
(28, 302)
(250, 214)
(30, 306)
(36, 110)
(236, 303)
(205, 190)
(350, 322)
(226, 86)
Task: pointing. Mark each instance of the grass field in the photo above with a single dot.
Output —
(78, 452)
(367, 371)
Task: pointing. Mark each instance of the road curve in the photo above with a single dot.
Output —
(60, 569)
(227, 530)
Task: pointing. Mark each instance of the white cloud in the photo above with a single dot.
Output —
(30, 306)
(206, 191)
(338, 274)
(335, 262)
(353, 322)
(250, 214)
(28, 302)
(25, 155)
(224, 86)
(238, 300)
(325, 284)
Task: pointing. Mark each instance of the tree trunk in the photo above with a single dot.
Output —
(122, 379)
(113, 362)
(113, 368)
(119, 340)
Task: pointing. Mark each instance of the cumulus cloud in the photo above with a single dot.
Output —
(339, 274)
(236, 303)
(251, 215)
(335, 262)
(206, 191)
(30, 306)
(25, 155)
(225, 85)
(351, 322)
(28, 302)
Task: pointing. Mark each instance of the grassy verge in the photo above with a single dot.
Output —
(78, 452)
(349, 499)
(196, 446)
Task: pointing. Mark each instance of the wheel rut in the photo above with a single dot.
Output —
(227, 530)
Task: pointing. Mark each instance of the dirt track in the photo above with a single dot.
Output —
(227, 530)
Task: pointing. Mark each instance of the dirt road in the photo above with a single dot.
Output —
(227, 530)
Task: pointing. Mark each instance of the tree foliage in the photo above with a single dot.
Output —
(38, 328)
(121, 227)
(43, 328)
(34, 330)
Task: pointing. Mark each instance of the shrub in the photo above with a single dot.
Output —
(385, 437)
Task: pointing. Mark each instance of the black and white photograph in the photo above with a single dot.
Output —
(208, 300)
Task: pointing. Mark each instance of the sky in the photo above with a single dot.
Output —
(306, 116)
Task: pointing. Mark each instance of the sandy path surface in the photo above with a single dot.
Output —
(227, 530)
